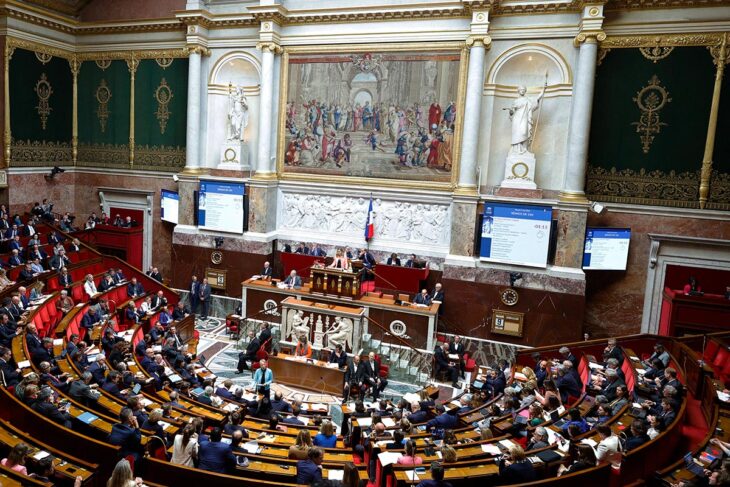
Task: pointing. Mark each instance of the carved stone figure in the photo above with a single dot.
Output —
(299, 326)
(237, 113)
(340, 333)
(520, 113)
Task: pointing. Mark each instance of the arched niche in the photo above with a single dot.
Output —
(237, 68)
(527, 64)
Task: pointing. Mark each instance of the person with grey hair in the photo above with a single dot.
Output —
(568, 355)
(81, 390)
(612, 350)
(464, 404)
(568, 382)
(45, 407)
(206, 396)
(539, 439)
(612, 382)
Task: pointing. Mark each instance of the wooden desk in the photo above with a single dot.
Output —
(313, 376)
(419, 323)
(335, 282)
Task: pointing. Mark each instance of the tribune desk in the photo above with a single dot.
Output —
(414, 324)
(312, 375)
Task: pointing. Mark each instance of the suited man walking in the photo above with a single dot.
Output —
(204, 296)
(250, 354)
(194, 290)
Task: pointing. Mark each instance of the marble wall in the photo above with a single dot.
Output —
(615, 299)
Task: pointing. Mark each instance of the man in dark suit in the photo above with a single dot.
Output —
(338, 357)
(214, 455)
(371, 376)
(11, 374)
(45, 353)
(293, 280)
(127, 435)
(180, 311)
(12, 232)
(26, 274)
(443, 364)
(267, 271)
(393, 260)
(412, 262)
(59, 260)
(159, 300)
(15, 258)
(81, 391)
(309, 471)
(250, 354)
(423, 298)
(612, 350)
(224, 390)
(8, 330)
(107, 282)
(265, 334)
(193, 299)
(638, 435)
(567, 384)
(90, 318)
(568, 355)
(438, 294)
(302, 249)
(45, 407)
(204, 298)
(437, 477)
(33, 341)
(64, 278)
(318, 251)
(353, 377)
(418, 413)
(443, 420)
(612, 382)
(155, 274)
(456, 347)
(279, 405)
(294, 418)
(134, 289)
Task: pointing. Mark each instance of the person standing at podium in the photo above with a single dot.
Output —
(303, 348)
(293, 281)
(262, 378)
(340, 261)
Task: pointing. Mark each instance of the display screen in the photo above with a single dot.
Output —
(516, 234)
(220, 206)
(169, 203)
(606, 249)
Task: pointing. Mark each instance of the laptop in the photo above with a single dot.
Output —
(202, 359)
(520, 419)
(692, 466)
(136, 389)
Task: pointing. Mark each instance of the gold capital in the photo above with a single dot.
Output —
(478, 41)
(270, 46)
(196, 49)
(589, 36)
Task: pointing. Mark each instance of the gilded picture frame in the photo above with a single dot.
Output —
(365, 53)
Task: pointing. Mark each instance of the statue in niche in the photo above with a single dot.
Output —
(520, 113)
(237, 113)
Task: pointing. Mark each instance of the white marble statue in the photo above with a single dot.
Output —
(340, 333)
(521, 115)
(237, 113)
(299, 326)
(318, 332)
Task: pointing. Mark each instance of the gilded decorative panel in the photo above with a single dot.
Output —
(649, 124)
(41, 109)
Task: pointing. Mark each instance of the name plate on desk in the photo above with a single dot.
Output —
(507, 322)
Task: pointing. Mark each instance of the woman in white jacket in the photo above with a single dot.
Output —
(185, 447)
(609, 448)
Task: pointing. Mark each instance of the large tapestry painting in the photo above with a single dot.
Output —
(389, 115)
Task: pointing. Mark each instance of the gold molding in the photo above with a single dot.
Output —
(270, 46)
(75, 66)
(664, 40)
(362, 48)
(196, 49)
(9, 49)
(14, 43)
(484, 40)
(132, 65)
(589, 36)
(572, 196)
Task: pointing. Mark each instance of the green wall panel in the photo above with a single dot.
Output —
(117, 79)
(687, 74)
(25, 122)
(148, 130)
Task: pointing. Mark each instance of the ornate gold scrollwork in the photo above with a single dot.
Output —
(43, 57)
(44, 91)
(164, 62)
(163, 95)
(650, 99)
(103, 64)
(103, 95)
(656, 53)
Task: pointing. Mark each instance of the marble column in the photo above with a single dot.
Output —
(265, 165)
(463, 222)
(580, 121)
(472, 113)
(192, 149)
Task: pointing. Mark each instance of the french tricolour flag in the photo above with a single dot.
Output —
(370, 222)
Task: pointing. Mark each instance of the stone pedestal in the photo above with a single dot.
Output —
(519, 171)
(234, 156)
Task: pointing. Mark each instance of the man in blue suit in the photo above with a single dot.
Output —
(204, 298)
(310, 470)
(263, 377)
(437, 477)
(134, 289)
(293, 281)
(214, 455)
(224, 390)
(127, 435)
(444, 420)
(418, 414)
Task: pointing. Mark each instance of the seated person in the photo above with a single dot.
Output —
(423, 298)
(393, 260)
(585, 458)
(692, 286)
(309, 471)
(134, 289)
(293, 280)
(339, 357)
(515, 468)
(637, 437)
(326, 438)
(303, 348)
(437, 477)
(412, 262)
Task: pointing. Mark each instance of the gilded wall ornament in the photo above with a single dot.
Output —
(163, 95)
(103, 95)
(103, 64)
(44, 91)
(164, 62)
(43, 57)
(656, 53)
(650, 99)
